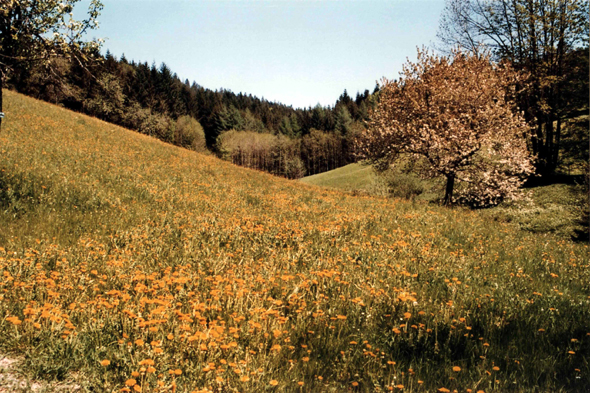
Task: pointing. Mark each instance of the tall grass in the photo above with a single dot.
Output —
(139, 266)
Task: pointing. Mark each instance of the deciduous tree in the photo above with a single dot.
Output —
(541, 37)
(36, 31)
(455, 116)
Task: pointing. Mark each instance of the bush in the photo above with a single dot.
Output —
(403, 185)
(189, 133)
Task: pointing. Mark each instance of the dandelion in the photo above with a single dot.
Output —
(456, 368)
(305, 359)
(274, 382)
(14, 320)
(496, 368)
(355, 384)
(105, 362)
(407, 315)
(130, 382)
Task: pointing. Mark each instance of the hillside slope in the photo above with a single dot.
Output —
(136, 265)
(350, 177)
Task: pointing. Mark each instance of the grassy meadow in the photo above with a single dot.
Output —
(351, 177)
(131, 265)
(542, 209)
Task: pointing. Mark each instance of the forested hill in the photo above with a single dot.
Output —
(150, 99)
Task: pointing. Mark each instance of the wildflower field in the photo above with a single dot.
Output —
(138, 266)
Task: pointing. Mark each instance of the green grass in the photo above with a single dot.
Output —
(352, 177)
(180, 271)
(548, 209)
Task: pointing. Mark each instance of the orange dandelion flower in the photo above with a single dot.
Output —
(571, 352)
(177, 371)
(456, 368)
(407, 315)
(305, 359)
(496, 368)
(400, 386)
(444, 390)
(137, 388)
(151, 369)
(130, 382)
(274, 382)
(300, 383)
(244, 378)
(355, 384)
(105, 362)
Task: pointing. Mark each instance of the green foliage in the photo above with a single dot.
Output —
(343, 120)
(189, 133)
(108, 101)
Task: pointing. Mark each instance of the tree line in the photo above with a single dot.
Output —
(155, 101)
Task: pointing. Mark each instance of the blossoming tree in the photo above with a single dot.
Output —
(454, 116)
(38, 31)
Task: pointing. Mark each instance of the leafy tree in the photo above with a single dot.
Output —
(37, 31)
(343, 120)
(454, 115)
(108, 100)
(540, 37)
(190, 134)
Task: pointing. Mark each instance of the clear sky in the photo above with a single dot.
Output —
(297, 52)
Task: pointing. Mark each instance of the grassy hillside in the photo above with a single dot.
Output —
(543, 209)
(132, 265)
(352, 177)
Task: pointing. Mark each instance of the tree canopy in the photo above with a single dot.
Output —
(545, 39)
(455, 116)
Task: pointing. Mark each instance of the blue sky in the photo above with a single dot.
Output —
(298, 52)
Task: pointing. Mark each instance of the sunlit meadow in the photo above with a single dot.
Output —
(132, 265)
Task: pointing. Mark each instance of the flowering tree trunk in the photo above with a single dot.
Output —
(449, 189)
